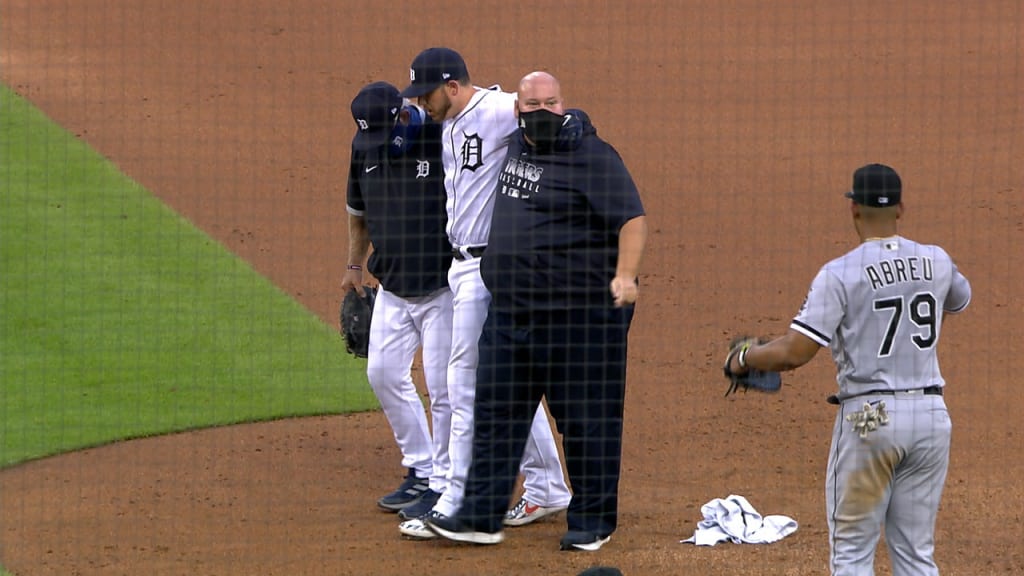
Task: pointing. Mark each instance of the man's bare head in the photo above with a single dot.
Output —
(540, 91)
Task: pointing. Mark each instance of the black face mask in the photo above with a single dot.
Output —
(541, 127)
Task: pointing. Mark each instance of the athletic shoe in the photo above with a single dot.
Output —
(587, 541)
(524, 513)
(409, 493)
(417, 529)
(425, 504)
(455, 529)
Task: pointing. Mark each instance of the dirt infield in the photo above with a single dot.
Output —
(741, 124)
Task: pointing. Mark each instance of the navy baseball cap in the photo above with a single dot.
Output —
(375, 109)
(876, 185)
(432, 68)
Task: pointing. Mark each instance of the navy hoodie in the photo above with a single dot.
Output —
(557, 214)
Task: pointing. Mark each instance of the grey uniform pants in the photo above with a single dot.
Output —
(893, 478)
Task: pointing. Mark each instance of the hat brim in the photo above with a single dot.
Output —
(364, 141)
(417, 90)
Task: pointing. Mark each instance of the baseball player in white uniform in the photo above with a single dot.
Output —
(880, 310)
(477, 126)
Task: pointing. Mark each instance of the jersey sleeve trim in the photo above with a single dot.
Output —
(353, 211)
(960, 308)
(959, 294)
(811, 333)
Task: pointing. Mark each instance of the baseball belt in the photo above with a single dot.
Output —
(468, 252)
(929, 391)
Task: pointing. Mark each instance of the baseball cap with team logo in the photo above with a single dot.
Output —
(876, 185)
(375, 109)
(432, 68)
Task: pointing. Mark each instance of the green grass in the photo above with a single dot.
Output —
(119, 319)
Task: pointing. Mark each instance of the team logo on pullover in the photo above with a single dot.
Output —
(520, 179)
(422, 168)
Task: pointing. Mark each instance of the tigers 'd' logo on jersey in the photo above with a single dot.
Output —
(472, 152)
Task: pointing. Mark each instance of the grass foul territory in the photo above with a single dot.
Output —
(119, 319)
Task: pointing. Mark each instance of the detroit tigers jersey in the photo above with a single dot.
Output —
(879, 309)
(475, 142)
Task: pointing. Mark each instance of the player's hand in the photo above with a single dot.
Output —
(350, 280)
(733, 363)
(624, 291)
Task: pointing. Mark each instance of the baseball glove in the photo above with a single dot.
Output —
(759, 380)
(356, 311)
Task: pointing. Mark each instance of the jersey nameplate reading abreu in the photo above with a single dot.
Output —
(899, 270)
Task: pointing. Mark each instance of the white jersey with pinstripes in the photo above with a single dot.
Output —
(475, 143)
(879, 309)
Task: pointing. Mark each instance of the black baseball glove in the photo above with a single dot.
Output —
(356, 311)
(752, 379)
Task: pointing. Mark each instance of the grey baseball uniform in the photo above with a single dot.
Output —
(879, 308)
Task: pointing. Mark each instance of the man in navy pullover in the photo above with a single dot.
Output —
(561, 265)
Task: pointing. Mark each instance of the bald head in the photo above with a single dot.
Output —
(537, 79)
(540, 90)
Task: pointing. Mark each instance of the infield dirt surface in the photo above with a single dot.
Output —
(741, 124)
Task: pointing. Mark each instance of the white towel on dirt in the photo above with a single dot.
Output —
(734, 519)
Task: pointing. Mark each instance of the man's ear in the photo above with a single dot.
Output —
(515, 107)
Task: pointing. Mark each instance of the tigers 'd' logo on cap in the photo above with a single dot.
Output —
(412, 74)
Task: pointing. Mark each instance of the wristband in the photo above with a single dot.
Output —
(354, 267)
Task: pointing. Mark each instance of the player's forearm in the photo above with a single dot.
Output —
(632, 240)
(358, 240)
(770, 358)
(785, 353)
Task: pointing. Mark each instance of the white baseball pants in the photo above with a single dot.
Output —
(399, 327)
